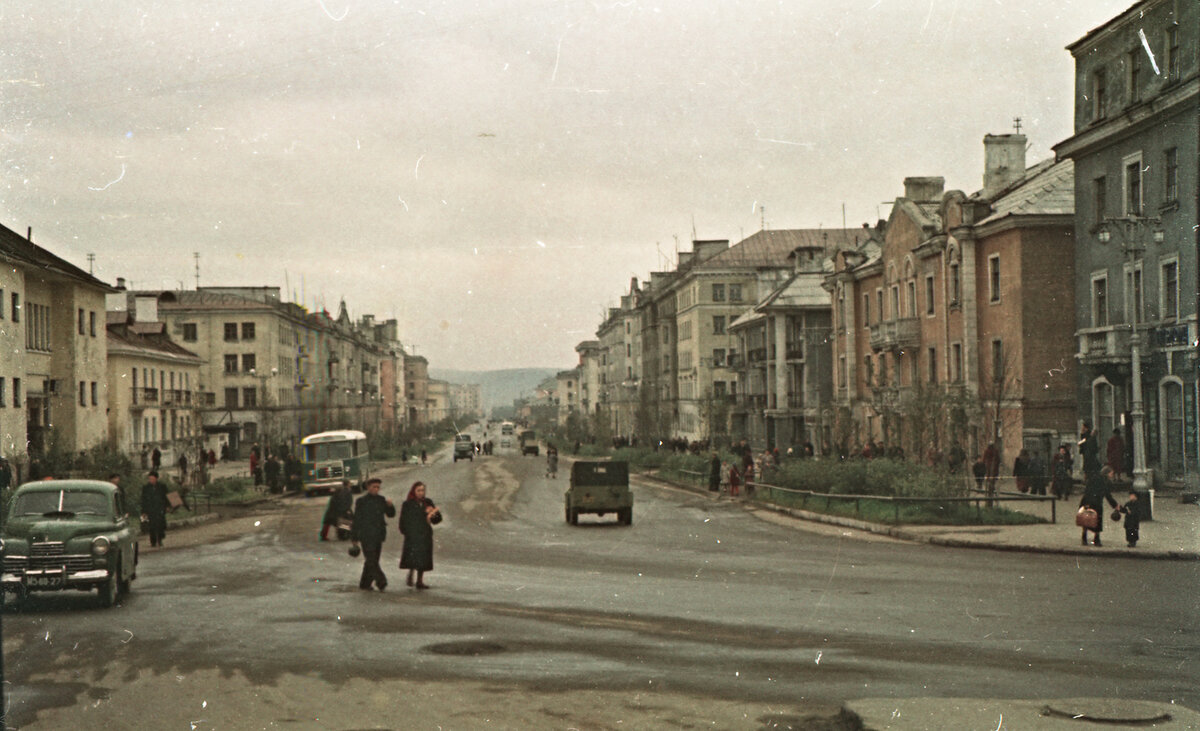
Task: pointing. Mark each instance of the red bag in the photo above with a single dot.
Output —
(1087, 518)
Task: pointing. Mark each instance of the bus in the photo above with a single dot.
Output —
(329, 457)
(506, 434)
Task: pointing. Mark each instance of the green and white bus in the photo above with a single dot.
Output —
(332, 456)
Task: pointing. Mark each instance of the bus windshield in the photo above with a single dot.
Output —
(324, 451)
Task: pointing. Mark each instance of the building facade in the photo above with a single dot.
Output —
(1135, 153)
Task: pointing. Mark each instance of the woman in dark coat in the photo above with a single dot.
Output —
(418, 515)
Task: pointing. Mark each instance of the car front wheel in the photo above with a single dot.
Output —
(110, 589)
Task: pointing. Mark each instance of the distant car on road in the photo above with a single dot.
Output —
(68, 534)
(599, 488)
(464, 447)
(529, 443)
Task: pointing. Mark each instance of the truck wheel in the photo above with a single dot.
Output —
(12, 599)
(627, 516)
(574, 517)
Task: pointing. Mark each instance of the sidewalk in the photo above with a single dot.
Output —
(1173, 534)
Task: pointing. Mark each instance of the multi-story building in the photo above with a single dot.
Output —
(657, 407)
(1135, 153)
(947, 325)
(783, 358)
(152, 387)
(53, 376)
(620, 369)
(438, 404)
(589, 379)
(466, 400)
(717, 283)
(566, 395)
(416, 385)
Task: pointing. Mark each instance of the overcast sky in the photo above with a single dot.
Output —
(492, 174)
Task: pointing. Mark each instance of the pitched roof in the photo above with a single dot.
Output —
(1046, 189)
(131, 337)
(188, 299)
(17, 248)
(771, 248)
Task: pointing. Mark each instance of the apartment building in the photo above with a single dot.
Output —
(53, 379)
(948, 326)
(1137, 85)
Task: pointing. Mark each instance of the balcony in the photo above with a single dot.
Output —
(795, 351)
(1101, 345)
(756, 356)
(206, 399)
(896, 334)
(143, 397)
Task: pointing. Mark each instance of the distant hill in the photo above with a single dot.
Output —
(499, 388)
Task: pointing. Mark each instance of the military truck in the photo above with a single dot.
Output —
(529, 443)
(599, 488)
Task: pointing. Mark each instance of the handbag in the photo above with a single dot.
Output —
(1116, 516)
(1087, 518)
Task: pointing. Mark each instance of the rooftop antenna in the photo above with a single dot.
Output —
(91, 263)
(843, 214)
(694, 237)
(762, 221)
(1017, 124)
(196, 256)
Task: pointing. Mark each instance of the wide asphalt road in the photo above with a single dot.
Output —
(700, 614)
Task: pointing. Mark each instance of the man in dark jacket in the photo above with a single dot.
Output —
(340, 505)
(1089, 449)
(371, 512)
(1095, 493)
(154, 508)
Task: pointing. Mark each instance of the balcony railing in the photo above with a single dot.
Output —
(145, 397)
(902, 333)
(1104, 344)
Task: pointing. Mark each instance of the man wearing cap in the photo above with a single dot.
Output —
(369, 529)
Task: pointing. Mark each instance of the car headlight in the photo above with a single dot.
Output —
(99, 546)
(1, 545)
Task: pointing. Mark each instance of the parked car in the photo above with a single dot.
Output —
(599, 488)
(68, 534)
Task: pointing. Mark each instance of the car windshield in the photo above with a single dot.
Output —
(64, 501)
(328, 450)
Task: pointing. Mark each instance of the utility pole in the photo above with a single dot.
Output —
(91, 263)
(196, 256)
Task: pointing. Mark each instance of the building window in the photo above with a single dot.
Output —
(994, 278)
(718, 357)
(231, 330)
(1100, 300)
(735, 293)
(1135, 76)
(95, 393)
(247, 331)
(1100, 198)
(718, 324)
(1104, 412)
(956, 371)
(249, 362)
(1171, 175)
(249, 397)
(866, 309)
(955, 283)
(841, 371)
(998, 360)
(189, 332)
(912, 298)
(719, 389)
(82, 326)
(1172, 60)
(929, 295)
(231, 398)
(231, 363)
(895, 313)
(92, 324)
(1, 306)
(933, 365)
(879, 316)
(16, 400)
(1170, 290)
(83, 393)
(1133, 186)
(718, 293)
(3, 394)
(15, 313)
(1099, 94)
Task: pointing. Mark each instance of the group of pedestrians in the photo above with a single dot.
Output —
(368, 532)
(1098, 485)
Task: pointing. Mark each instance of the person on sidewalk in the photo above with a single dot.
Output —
(154, 508)
(1061, 472)
(1132, 511)
(418, 515)
(714, 473)
(1089, 449)
(1095, 494)
(1114, 453)
(370, 530)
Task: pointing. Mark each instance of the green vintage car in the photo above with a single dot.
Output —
(68, 534)
(599, 488)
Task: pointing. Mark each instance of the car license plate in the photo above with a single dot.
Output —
(45, 581)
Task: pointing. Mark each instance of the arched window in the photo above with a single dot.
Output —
(1171, 429)
(1103, 407)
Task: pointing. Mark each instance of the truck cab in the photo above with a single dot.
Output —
(464, 447)
(599, 488)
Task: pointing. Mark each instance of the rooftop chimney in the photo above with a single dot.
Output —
(924, 190)
(145, 308)
(1003, 161)
(120, 282)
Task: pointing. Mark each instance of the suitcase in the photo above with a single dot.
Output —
(1087, 518)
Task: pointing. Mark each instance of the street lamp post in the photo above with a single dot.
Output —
(1132, 231)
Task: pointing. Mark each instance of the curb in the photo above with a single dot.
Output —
(900, 533)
